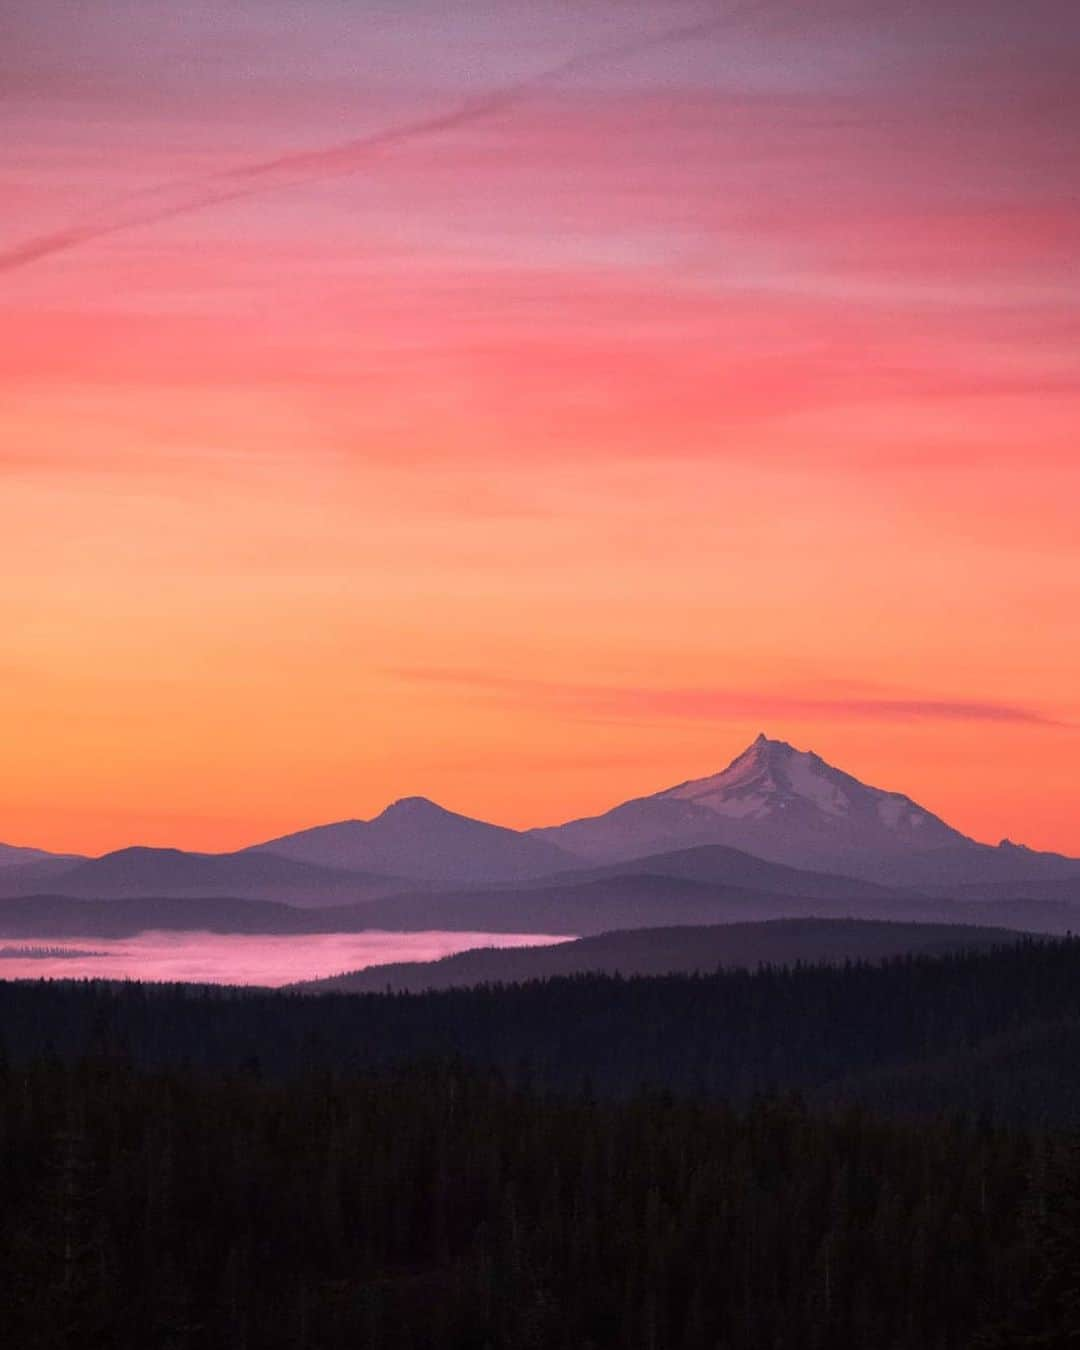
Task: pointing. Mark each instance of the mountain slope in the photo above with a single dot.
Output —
(791, 807)
(12, 855)
(31, 878)
(418, 839)
(594, 903)
(582, 908)
(718, 864)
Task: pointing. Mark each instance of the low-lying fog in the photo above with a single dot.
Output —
(237, 958)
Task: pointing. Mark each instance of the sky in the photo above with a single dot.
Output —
(526, 404)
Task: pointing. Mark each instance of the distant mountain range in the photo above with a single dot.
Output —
(576, 911)
(778, 831)
(134, 872)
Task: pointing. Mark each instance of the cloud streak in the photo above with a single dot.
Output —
(350, 156)
(718, 704)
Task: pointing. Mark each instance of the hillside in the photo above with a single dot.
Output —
(665, 951)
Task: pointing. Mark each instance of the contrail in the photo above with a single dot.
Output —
(345, 157)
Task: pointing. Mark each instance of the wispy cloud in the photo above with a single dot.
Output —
(347, 157)
(708, 704)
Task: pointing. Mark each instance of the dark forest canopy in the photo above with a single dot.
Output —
(996, 1031)
(550, 1164)
(442, 1208)
(671, 950)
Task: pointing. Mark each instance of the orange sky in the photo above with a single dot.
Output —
(715, 384)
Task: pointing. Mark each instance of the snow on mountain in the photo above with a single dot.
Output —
(773, 779)
(774, 801)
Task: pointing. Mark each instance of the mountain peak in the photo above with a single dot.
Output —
(766, 775)
(773, 800)
(772, 781)
(415, 809)
(764, 747)
(416, 813)
(417, 838)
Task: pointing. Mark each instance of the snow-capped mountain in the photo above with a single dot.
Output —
(772, 781)
(790, 806)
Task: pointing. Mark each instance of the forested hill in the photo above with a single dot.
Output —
(200, 1169)
(997, 1030)
(685, 949)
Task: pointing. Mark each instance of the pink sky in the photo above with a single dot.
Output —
(527, 404)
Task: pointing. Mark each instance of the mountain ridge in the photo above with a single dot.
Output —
(18, 855)
(140, 872)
